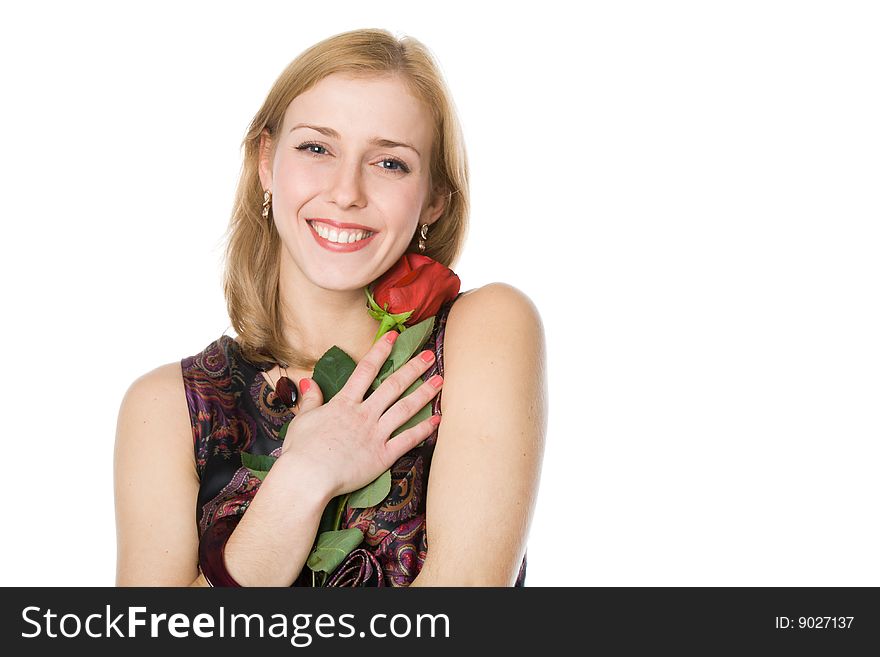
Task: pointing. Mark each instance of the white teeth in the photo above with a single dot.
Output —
(332, 234)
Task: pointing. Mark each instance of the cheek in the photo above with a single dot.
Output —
(404, 202)
(296, 179)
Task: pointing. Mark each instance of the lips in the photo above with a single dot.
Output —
(340, 247)
(338, 224)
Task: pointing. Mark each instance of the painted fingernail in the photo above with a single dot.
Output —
(304, 385)
(427, 356)
(436, 380)
(435, 420)
(391, 336)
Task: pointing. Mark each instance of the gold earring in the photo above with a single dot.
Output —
(267, 203)
(423, 235)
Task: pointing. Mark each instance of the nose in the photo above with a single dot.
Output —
(346, 186)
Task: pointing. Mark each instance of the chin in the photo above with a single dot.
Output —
(337, 283)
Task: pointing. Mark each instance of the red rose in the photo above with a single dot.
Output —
(416, 283)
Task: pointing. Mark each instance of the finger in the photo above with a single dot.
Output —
(368, 368)
(395, 385)
(310, 395)
(408, 406)
(409, 439)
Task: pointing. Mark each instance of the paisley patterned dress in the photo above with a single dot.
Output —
(233, 409)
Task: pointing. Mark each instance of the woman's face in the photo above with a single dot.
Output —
(352, 158)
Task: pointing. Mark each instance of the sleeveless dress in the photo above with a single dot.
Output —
(233, 409)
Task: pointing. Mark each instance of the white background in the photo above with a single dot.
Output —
(688, 191)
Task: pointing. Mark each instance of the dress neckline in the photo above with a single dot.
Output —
(255, 371)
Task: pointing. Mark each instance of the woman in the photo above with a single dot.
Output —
(357, 142)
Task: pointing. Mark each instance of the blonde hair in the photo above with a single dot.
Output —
(251, 276)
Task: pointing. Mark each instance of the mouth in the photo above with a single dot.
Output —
(340, 237)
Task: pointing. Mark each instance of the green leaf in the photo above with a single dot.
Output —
(371, 494)
(332, 548)
(423, 414)
(282, 433)
(410, 341)
(258, 464)
(332, 371)
(385, 371)
(259, 474)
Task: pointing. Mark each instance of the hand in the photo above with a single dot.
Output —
(345, 442)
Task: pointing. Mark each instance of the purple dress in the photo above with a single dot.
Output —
(233, 409)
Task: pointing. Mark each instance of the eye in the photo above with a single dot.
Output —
(312, 147)
(396, 165)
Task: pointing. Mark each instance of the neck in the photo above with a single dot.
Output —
(316, 319)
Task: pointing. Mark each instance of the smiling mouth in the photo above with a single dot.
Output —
(340, 235)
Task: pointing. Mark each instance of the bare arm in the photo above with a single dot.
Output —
(486, 466)
(156, 488)
(271, 543)
(155, 484)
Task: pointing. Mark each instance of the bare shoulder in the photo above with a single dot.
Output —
(494, 298)
(494, 338)
(156, 402)
(496, 311)
(160, 381)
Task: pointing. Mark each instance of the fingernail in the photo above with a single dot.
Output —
(436, 380)
(427, 356)
(391, 336)
(304, 385)
(435, 420)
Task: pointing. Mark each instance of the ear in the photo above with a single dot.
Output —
(435, 207)
(266, 151)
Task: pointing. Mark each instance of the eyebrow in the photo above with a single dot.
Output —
(376, 141)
